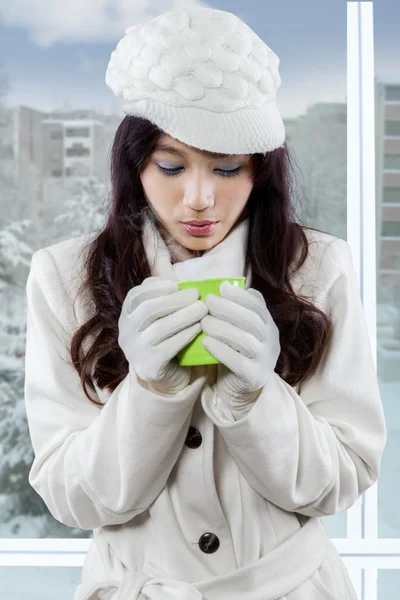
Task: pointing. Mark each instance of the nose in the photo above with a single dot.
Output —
(199, 194)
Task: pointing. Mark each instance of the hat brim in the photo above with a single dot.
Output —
(243, 131)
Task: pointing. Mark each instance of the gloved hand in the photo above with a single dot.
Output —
(242, 335)
(158, 319)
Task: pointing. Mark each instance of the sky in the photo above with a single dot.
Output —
(55, 53)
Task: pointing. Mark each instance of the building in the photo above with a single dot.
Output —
(387, 135)
(387, 132)
(74, 145)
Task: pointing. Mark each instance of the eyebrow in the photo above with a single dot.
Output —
(166, 148)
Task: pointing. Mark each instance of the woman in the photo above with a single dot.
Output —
(201, 482)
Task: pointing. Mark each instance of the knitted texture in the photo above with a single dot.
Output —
(199, 74)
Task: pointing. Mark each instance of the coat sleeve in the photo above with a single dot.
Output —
(315, 452)
(93, 465)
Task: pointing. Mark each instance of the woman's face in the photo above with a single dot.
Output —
(202, 189)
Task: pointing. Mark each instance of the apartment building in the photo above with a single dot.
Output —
(73, 145)
(387, 131)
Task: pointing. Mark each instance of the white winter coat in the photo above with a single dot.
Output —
(184, 500)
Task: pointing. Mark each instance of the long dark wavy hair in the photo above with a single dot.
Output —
(277, 247)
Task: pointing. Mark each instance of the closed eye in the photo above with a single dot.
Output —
(177, 171)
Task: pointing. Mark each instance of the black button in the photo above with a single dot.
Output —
(209, 543)
(194, 438)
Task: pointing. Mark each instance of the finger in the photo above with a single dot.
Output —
(150, 288)
(154, 278)
(154, 308)
(249, 298)
(173, 344)
(226, 355)
(230, 311)
(163, 329)
(235, 337)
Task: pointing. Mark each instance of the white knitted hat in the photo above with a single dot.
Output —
(202, 76)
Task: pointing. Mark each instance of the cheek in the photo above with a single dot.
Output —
(164, 204)
(150, 185)
(157, 192)
(245, 189)
(239, 191)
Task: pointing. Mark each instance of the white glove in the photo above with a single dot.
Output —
(242, 335)
(157, 320)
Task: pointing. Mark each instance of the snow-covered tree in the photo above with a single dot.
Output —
(84, 211)
(23, 512)
(319, 143)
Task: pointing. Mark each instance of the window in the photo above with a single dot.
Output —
(341, 118)
(390, 229)
(77, 132)
(391, 195)
(392, 161)
(77, 170)
(77, 150)
(393, 93)
(392, 128)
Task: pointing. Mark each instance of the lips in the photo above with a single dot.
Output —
(198, 223)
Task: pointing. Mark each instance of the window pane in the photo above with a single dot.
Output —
(39, 583)
(391, 228)
(391, 195)
(77, 132)
(336, 525)
(392, 161)
(392, 128)
(318, 137)
(306, 106)
(387, 120)
(387, 55)
(388, 584)
(393, 92)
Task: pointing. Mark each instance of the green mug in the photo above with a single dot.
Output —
(195, 353)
